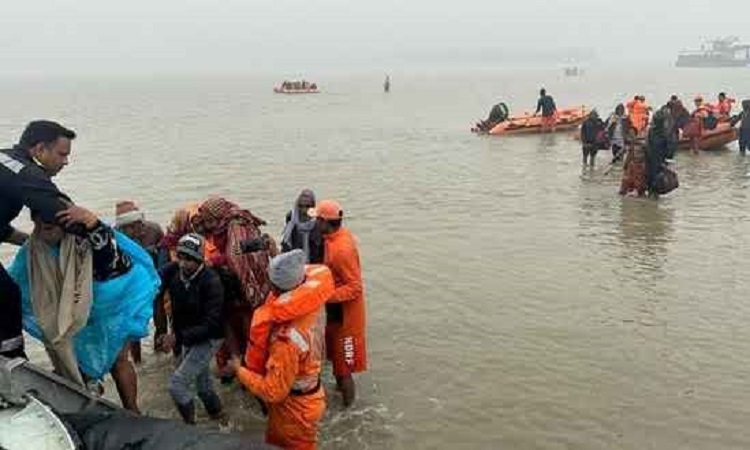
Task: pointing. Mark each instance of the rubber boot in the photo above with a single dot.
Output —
(187, 412)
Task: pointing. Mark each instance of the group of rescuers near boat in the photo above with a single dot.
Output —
(646, 167)
(269, 316)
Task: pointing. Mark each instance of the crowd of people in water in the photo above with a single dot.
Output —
(643, 139)
(216, 286)
(647, 139)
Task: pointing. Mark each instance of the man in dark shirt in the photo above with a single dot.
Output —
(25, 180)
(546, 105)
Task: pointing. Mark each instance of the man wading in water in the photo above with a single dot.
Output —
(345, 331)
(546, 105)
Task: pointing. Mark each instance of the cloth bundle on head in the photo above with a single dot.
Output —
(127, 212)
(234, 225)
(224, 211)
(287, 271)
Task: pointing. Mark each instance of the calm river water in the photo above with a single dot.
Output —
(514, 300)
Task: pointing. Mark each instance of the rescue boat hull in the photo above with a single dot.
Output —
(567, 120)
(712, 140)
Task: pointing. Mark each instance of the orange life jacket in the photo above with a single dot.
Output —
(724, 108)
(298, 316)
(631, 107)
(640, 115)
(702, 111)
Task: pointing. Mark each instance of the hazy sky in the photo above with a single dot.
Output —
(142, 36)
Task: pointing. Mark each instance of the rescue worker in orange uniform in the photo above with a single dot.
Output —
(697, 125)
(346, 330)
(286, 350)
(630, 106)
(638, 111)
(724, 107)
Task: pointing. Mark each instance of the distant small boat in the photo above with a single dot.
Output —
(296, 87)
(573, 72)
(387, 84)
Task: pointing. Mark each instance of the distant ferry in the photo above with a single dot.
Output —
(725, 52)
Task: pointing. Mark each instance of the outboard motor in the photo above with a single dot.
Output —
(499, 113)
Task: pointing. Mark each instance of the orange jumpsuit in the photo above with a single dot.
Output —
(284, 360)
(346, 331)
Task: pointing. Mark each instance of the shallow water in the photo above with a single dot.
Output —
(514, 300)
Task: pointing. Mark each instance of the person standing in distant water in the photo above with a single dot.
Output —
(132, 223)
(620, 132)
(592, 132)
(346, 336)
(680, 120)
(656, 153)
(634, 171)
(546, 105)
(743, 119)
(301, 231)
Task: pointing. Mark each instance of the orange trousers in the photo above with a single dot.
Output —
(293, 423)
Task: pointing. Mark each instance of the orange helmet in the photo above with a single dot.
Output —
(327, 210)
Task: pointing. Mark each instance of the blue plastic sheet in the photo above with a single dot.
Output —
(120, 311)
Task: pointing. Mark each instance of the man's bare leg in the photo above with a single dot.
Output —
(348, 389)
(135, 351)
(126, 381)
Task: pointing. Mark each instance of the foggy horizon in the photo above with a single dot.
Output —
(45, 38)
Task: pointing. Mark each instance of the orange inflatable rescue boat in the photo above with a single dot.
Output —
(567, 119)
(711, 140)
